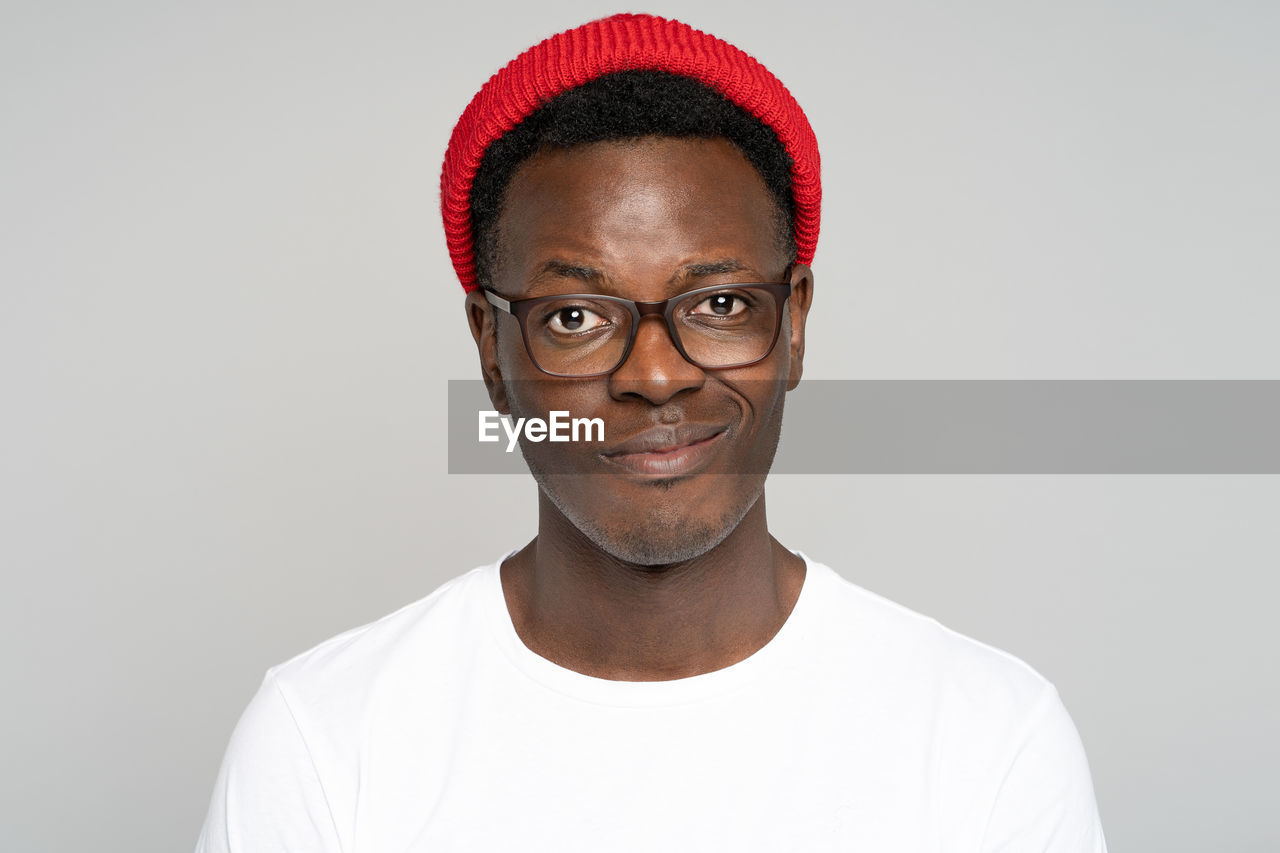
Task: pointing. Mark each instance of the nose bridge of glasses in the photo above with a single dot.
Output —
(668, 345)
(648, 309)
(660, 325)
(661, 311)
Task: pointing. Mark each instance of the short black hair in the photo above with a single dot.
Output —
(619, 106)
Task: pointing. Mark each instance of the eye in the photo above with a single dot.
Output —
(574, 318)
(721, 305)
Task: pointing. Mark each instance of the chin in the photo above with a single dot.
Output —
(660, 529)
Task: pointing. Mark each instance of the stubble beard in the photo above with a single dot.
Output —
(664, 533)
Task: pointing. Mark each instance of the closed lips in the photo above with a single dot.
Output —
(657, 455)
(666, 439)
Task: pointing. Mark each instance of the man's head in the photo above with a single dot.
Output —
(642, 185)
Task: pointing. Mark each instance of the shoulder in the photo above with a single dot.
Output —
(996, 730)
(291, 764)
(351, 665)
(875, 632)
(973, 701)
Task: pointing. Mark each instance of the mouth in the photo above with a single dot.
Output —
(659, 455)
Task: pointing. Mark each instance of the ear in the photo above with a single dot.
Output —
(798, 305)
(482, 319)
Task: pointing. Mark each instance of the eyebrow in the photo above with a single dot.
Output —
(591, 275)
(718, 267)
(567, 269)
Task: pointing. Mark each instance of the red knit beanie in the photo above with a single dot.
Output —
(622, 43)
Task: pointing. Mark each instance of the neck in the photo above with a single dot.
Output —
(584, 609)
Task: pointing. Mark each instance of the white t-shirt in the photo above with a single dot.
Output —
(860, 726)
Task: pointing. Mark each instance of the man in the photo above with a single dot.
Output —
(632, 207)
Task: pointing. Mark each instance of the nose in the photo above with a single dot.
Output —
(654, 369)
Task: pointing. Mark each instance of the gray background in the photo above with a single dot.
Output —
(227, 319)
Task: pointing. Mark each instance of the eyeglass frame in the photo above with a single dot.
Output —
(520, 309)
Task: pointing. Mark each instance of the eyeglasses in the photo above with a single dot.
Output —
(587, 334)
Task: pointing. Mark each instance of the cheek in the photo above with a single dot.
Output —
(513, 358)
(766, 414)
(760, 391)
(533, 394)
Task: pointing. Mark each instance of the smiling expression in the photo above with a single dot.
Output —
(686, 449)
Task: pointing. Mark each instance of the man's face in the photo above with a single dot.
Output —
(686, 450)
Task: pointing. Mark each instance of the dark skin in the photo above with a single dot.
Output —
(643, 577)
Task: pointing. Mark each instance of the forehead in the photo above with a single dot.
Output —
(636, 211)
